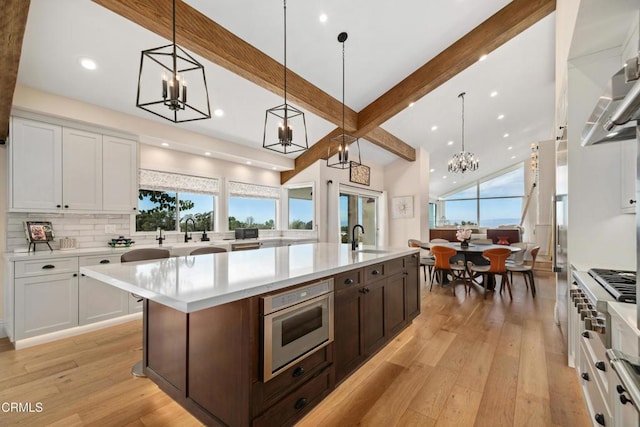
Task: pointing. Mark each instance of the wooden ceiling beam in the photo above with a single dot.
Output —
(199, 34)
(13, 22)
(505, 24)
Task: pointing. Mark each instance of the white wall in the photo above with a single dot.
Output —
(409, 179)
(598, 234)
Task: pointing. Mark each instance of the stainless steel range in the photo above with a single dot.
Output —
(590, 333)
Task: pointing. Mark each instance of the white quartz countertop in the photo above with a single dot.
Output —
(627, 313)
(192, 283)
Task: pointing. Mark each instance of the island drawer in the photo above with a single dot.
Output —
(99, 260)
(298, 403)
(273, 390)
(348, 279)
(41, 267)
(376, 272)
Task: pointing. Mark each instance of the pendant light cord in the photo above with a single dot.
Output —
(343, 131)
(462, 96)
(175, 62)
(285, 60)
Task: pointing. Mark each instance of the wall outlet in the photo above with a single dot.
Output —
(110, 229)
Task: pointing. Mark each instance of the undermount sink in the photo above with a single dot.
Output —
(372, 251)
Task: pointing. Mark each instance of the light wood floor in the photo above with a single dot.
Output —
(465, 361)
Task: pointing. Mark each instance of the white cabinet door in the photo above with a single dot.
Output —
(36, 165)
(135, 304)
(119, 175)
(97, 300)
(82, 170)
(628, 152)
(45, 304)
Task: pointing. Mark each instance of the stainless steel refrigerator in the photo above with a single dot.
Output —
(559, 224)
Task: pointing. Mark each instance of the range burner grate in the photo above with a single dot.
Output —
(621, 284)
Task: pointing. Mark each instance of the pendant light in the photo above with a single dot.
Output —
(165, 73)
(285, 118)
(340, 144)
(463, 161)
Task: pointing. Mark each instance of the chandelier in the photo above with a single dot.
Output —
(463, 161)
(340, 144)
(285, 116)
(170, 69)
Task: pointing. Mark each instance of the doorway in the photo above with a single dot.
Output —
(358, 209)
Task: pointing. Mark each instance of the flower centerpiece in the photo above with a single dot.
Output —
(464, 235)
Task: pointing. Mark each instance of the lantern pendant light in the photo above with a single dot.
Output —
(338, 152)
(164, 75)
(285, 118)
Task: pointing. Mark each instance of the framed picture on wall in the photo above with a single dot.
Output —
(402, 207)
(359, 174)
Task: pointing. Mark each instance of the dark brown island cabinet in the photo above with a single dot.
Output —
(210, 361)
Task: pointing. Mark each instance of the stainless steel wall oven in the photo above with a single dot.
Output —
(295, 324)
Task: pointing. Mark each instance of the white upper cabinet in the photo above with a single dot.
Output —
(81, 170)
(56, 168)
(35, 165)
(628, 176)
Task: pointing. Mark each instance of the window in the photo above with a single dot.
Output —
(252, 205)
(489, 203)
(166, 200)
(300, 208)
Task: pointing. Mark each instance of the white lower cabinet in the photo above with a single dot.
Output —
(99, 301)
(45, 303)
(135, 304)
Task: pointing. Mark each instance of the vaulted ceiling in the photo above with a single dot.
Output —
(396, 54)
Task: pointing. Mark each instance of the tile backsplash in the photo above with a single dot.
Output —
(89, 230)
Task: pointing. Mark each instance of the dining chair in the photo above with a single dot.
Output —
(497, 266)
(526, 270)
(207, 250)
(517, 257)
(426, 257)
(142, 255)
(444, 266)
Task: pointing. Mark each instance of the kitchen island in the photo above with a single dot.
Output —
(203, 324)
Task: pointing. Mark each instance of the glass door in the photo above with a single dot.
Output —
(358, 209)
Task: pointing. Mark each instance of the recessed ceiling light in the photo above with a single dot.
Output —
(248, 163)
(450, 143)
(455, 182)
(501, 116)
(323, 17)
(506, 135)
(207, 153)
(494, 94)
(509, 148)
(513, 157)
(88, 64)
(432, 170)
(218, 112)
(483, 57)
(434, 127)
(444, 177)
(412, 104)
(275, 168)
(165, 144)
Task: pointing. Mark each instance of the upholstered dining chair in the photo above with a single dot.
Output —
(427, 261)
(517, 257)
(526, 270)
(497, 266)
(207, 250)
(142, 255)
(444, 266)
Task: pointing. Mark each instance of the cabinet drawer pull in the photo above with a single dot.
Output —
(48, 267)
(348, 281)
(586, 334)
(300, 403)
(298, 372)
(66, 206)
(600, 365)
(58, 206)
(632, 202)
(105, 261)
(82, 274)
(624, 400)
(585, 376)
(375, 272)
(599, 419)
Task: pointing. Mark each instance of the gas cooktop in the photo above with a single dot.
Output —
(621, 284)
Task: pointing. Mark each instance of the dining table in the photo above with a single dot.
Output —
(470, 253)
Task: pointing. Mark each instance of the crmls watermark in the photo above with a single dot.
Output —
(21, 407)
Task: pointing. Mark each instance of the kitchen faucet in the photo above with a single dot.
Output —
(354, 243)
(186, 228)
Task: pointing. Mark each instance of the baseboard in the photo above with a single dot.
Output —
(3, 333)
(66, 333)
